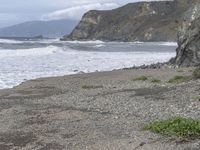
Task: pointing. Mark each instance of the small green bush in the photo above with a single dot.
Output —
(196, 97)
(155, 81)
(196, 73)
(141, 78)
(178, 79)
(178, 126)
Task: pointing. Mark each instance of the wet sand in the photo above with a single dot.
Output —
(96, 111)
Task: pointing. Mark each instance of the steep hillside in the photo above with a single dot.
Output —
(142, 21)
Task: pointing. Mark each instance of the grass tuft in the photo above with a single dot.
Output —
(178, 126)
(155, 81)
(196, 97)
(196, 73)
(141, 78)
(178, 79)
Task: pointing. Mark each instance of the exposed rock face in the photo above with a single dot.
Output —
(188, 52)
(143, 21)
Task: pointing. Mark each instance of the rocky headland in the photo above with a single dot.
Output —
(142, 21)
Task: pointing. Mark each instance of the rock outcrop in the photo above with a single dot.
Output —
(142, 21)
(188, 52)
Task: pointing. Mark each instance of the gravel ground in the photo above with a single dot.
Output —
(97, 111)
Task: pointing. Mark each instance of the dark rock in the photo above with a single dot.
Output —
(142, 21)
(152, 66)
(188, 52)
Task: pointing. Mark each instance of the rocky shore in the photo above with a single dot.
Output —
(105, 110)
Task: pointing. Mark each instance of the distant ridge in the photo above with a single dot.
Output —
(141, 21)
(51, 29)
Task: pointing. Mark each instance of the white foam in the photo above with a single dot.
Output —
(45, 41)
(29, 52)
(99, 45)
(85, 42)
(24, 64)
(138, 42)
(10, 41)
(151, 43)
(167, 43)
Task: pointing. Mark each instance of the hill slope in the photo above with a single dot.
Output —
(56, 28)
(142, 21)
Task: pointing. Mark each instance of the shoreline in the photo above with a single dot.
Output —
(96, 110)
(158, 65)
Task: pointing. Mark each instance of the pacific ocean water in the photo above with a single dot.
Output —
(24, 59)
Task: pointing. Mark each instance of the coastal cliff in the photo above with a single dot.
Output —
(188, 52)
(142, 21)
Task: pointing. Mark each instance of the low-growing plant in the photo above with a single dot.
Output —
(92, 86)
(178, 126)
(155, 81)
(180, 70)
(141, 78)
(196, 73)
(178, 79)
(196, 97)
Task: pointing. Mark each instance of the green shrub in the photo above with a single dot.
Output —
(178, 79)
(196, 73)
(196, 97)
(141, 78)
(155, 81)
(178, 126)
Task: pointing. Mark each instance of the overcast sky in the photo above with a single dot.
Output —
(17, 11)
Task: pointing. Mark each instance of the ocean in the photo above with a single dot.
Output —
(24, 59)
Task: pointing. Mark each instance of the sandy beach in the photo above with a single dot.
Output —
(96, 111)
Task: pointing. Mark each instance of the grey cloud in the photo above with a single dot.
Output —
(76, 12)
(15, 11)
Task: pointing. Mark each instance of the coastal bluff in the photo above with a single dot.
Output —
(188, 51)
(142, 21)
